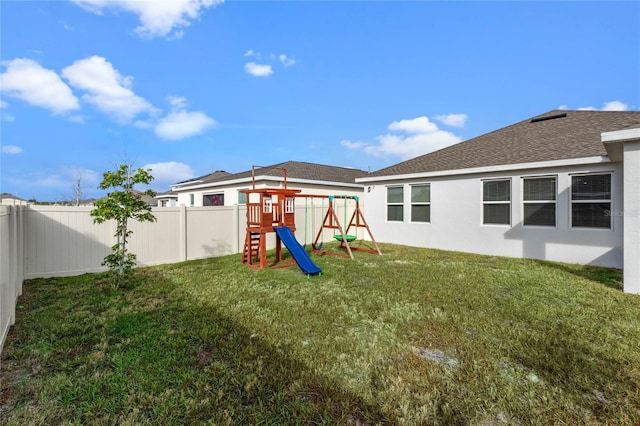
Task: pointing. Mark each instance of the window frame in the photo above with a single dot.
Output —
(526, 202)
(395, 204)
(208, 194)
(608, 201)
(240, 196)
(499, 202)
(420, 203)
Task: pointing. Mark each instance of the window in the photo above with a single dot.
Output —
(591, 201)
(192, 198)
(242, 198)
(539, 197)
(395, 206)
(421, 203)
(213, 200)
(496, 202)
(267, 205)
(289, 205)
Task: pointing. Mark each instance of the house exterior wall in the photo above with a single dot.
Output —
(456, 218)
(231, 192)
(631, 215)
(167, 202)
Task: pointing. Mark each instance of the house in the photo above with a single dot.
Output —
(167, 199)
(223, 189)
(11, 200)
(561, 186)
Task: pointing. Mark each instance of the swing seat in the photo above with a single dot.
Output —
(348, 237)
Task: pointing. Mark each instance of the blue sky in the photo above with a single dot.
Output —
(187, 87)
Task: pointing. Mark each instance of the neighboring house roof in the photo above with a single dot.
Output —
(205, 178)
(7, 196)
(167, 194)
(555, 135)
(295, 170)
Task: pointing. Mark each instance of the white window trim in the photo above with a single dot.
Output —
(483, 203)
(267, 205)
(419, 203)
(554, 201)
(571, 201)
(289, 205)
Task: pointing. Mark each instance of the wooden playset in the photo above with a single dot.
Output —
(272, 210)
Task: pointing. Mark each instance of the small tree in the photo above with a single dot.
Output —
(122, 204)
(77, 191)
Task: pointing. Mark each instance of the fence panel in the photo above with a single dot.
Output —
(11, 265)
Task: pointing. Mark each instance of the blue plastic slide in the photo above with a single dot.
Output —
(297, 251)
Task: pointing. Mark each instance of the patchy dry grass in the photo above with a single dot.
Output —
(412, 337)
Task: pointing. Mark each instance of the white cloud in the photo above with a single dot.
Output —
(416, 125)
(106, 89)
(26, 80)
(157, 18)
(453, 120)
(258, 70)
(177, 102)
(170, 172)
(615, 106)
(249, 53)
(5, 116)
(76, 119)
(182, 124)
(607, 106)
(89, 177)
(424, 137)
(287, 61)
(11, 149)
(353, 145)
(65, 177)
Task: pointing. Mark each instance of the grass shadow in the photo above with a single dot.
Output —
(609, 277)
(149, 355)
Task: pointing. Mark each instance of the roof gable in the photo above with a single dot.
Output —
(556, 135)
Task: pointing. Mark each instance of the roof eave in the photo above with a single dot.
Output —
(614, 141)
(490, 169)
(248, 180)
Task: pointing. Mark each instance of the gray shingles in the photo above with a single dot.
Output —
(575, 135)
(295, 170)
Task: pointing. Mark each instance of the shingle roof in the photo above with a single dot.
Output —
(295, 170)
(7, 196)
(555, 135)
(215, 175)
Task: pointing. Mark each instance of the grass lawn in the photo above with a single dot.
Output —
(413, 337)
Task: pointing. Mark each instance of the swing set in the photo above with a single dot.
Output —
(344, 235)
(272, 210)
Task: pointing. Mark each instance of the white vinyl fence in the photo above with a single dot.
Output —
(47, 241)
(11, 264)
(64, 241)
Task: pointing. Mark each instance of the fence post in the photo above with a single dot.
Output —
(183, 232)
(236, 234)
